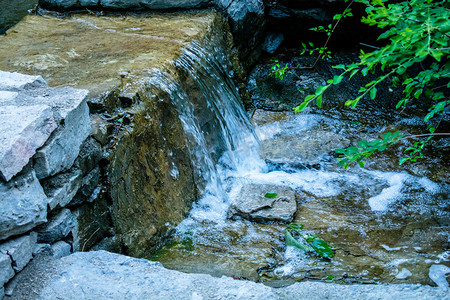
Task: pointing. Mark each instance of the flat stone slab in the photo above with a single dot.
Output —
(92, 52)
(252, 203)
(104, 275)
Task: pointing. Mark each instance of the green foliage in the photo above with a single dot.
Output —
(365, 149)
(305, 242)
(416, 32)
(270, 195)
(278, 71)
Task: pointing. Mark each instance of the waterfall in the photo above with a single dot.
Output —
(221, 138)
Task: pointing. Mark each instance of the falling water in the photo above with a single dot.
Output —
(360, 211)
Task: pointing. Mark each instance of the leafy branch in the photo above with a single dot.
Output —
(417, 31)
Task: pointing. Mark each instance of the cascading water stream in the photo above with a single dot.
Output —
(351, 209)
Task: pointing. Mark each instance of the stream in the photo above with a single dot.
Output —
(385, 224)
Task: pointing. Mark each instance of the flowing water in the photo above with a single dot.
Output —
(385, 224)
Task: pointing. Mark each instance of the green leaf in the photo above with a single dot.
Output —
(295, 226)
(319, 101)
(330, 277)
(362, 144)
(322, 248)
(387, 136)
(290, 241)
(373, 93)
(270, 195)
(337, 79)
(301, 107)
(321, 89)
(403, 160)
(340, 151)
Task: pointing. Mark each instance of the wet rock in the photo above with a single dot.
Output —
(6, 270)
(61, 249)
(252, 204)
(308, 148)
(57, 228)
(62, 188)
(247, 23)
(20, 250)
(88, 185)
(145, 196)
(272, 42)
(23, 205)
(100, 129)
(60, 152)
(90, 155)
(110, 244)
(92, 222)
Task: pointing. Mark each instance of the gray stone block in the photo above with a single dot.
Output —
(61, 189)
(89, 2)
(90, 155)
(57, 228)
(60, 152)
(16, 81)
(165, 4)
(90, 182)
(6, 270)
(119, 4)
(20, 250)
(23, 205)
(42, 249)
(24, 129)
(252, 204)
(60, 249)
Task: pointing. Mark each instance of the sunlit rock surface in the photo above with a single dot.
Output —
(91, 52)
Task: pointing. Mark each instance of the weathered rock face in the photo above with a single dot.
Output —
(253, 205)
(247, 24)
(147, 193)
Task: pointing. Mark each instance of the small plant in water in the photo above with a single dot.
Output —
(295, 237)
